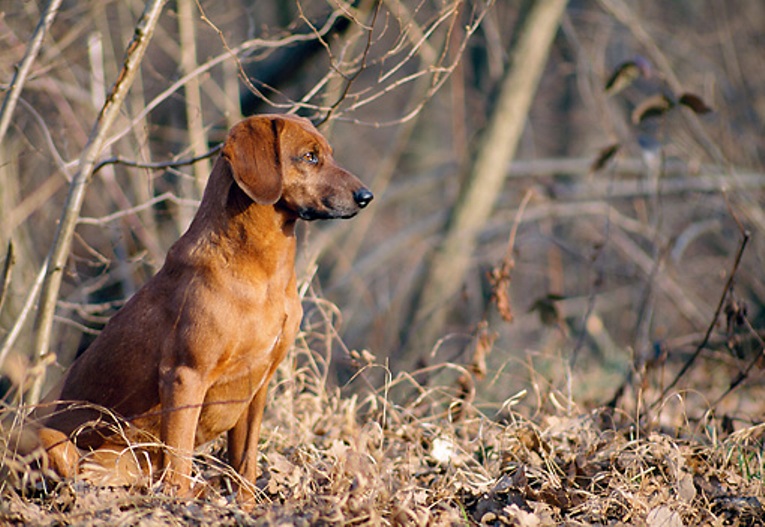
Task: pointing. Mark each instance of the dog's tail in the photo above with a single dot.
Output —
(46, 447)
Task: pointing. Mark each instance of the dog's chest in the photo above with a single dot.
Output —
(241, 376)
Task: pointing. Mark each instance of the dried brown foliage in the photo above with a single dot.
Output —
(329, 458)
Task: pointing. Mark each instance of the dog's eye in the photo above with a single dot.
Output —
(310, 157)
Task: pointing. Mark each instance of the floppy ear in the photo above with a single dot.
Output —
(252, 152)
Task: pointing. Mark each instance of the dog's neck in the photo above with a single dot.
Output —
(238, 227)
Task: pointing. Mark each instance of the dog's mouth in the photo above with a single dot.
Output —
(311, 214)
(330, 208)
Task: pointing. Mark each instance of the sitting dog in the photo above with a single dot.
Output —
(190, 355)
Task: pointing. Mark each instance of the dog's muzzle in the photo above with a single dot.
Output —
(331, 210)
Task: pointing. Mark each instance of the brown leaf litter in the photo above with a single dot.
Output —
(332, 459)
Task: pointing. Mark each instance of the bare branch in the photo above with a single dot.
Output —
(158, 165)
(167, 196)
(21, 318)
(5, 281)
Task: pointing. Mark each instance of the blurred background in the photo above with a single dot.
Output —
(568, 195)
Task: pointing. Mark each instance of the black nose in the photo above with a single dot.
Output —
(362, 197)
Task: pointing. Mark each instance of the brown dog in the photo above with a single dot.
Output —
(190, 355)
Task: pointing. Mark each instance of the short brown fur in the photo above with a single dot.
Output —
(190, 355)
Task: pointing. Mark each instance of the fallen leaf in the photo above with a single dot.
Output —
(695, 103)
(483, 345)
(685, 489)
(547, 309)
(499, 278)
(521, 517)
(663, 517)
(626, 73)
(654, 106)
(604, 156)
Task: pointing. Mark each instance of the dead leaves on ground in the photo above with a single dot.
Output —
(576, 470)
(331, 459)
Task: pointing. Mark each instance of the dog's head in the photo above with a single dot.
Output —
(284, 160)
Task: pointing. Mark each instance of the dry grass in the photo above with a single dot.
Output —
(410, 454)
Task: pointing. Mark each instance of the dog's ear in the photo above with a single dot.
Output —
(252, 151)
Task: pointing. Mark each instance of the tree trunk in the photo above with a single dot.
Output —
(449, 263)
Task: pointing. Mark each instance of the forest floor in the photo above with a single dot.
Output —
(332, 458)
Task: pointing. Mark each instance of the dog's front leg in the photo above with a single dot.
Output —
(243, 446)
(182, 393)
(243, 438)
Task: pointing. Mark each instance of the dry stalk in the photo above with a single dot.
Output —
(744, 374)
(500, 276)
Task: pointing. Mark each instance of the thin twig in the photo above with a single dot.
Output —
(158, 165)
(439, 75)
(349, 79)
(22, 71)
(167, 196)
(743, 375)
(10, 338)
(10, 259)
(712, 324)
(234, 53)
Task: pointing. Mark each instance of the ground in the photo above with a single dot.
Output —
(329, 457)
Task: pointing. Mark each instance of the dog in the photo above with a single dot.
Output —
(190, 355)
